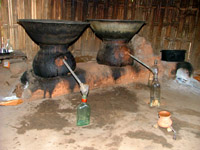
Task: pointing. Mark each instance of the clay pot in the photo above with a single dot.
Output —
(164, 120)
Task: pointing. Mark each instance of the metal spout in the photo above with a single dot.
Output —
(84, 88)
(154, 71)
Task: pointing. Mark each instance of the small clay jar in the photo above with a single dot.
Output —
(164, 120)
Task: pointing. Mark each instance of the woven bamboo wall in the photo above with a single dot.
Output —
(170, 24)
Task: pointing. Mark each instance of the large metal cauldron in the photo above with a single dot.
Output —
(115, 35)
(54, 38)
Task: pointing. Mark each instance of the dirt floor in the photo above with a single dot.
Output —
(120, 120)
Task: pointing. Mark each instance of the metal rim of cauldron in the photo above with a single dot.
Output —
(53, 32)
(116, 20)
(114, 29)
(52, 21)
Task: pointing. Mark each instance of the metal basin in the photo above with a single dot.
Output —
(115, 35)
(53, 32)
(54, 38)
(107, 29)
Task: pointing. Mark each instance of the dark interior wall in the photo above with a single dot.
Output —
(170, 24)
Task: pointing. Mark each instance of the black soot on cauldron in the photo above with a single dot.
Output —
(49, 63)
(114, 54)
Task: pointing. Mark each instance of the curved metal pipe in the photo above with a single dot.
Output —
(84, 88)
(142, 63)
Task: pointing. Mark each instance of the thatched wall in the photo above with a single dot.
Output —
(170, 24)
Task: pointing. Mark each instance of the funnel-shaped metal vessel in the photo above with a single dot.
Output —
(54, 38)
(115, 35)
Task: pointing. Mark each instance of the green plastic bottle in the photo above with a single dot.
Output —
(83, 112)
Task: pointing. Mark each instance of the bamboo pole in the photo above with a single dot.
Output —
(21, 35)
(125, 9)
(10, 16)
(1, 31)
(133, 5)
(34, 15)
(63, 9)
(33, 9)
(85, 10)
(73, 9)
(106, 7)
(94, 10)
(0, 23)
(46, 9)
